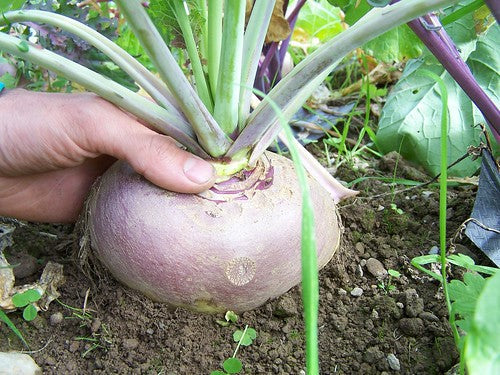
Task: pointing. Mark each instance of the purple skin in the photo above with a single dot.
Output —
(204, 254)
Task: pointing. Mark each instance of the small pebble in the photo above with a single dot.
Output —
(362, 262)
(360, 248)
(150, 331)
(374, 314)
(74, 346)
(56, 318)
(380, 208)
(434, 250)
(130, 344)
(357, 292)
(400, 305)
(360, 270)
(393, 362)
(376, 268)
(426, 194)
(428, 316)
(285, 308)
(50, 361)
(342, 292)
(96, 324)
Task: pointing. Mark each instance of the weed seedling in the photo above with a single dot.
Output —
(233, 365)
(396, 209)
(26, 300)
(230, 317)
(389, 287)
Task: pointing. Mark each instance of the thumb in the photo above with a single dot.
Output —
(158, 159)
(152, 155)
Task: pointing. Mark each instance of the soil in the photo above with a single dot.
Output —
(363, 328)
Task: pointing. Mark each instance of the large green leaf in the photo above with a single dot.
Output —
(482, 343)
(6, 5)
(410, 119)
(320, 19)
(398, 44)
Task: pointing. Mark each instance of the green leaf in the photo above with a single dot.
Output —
(482, 342)
(319, 19)
(398, 44)
(9, 81)
(25, 298)
(232, 365)
(248, 337)
(378, 3)
(231, 316)
(464, 295)
(394, 273)
(217, 372)
(410, 119)
(11, 5)
(30, 312)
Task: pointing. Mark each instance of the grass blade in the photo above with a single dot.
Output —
(4, 318)
(310, 283)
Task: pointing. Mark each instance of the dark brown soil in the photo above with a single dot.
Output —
(125, 333)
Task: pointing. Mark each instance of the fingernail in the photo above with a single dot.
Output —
(198, 170)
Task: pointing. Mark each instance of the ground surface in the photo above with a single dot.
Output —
(125, 333)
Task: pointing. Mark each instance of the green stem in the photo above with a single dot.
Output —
(443, 189)
(310, 283)
(137, 105)
(228, 84)
(194, 57)
(254, 37)
(202, 6)
(214, 47)
(148, 81)
(296, 84)
(209, 134)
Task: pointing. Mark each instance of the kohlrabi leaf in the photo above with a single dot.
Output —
(353, 9)
(7, 5)
(482, 342)
(398, 44)
(410, 119)
(320, 20)
(464, 295)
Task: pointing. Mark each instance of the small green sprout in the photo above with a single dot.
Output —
(26, 300)
(230, 317)
(233, 365)
(396, 209)
(389, 287)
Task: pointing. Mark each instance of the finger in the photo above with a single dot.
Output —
(56, 196)
(153, 155)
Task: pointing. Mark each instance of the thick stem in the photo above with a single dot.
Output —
(209, 134)
(194, 57)
(494, 6)
(137, 105)
(324, 59)
(214, 47)
(440, 44)
(148, 81)
(255, 34)
(228, 85)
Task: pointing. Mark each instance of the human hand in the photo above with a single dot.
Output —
(54, 146)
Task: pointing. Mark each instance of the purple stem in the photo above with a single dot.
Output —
(292, 20)
(273, 48)
(437, 40)
(494, 6)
